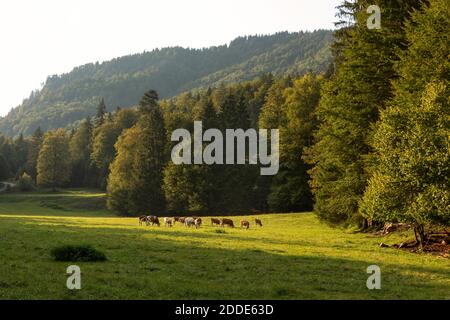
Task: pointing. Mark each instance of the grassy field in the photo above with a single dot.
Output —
(293, 256)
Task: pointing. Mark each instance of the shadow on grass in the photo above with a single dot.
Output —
(58, 205)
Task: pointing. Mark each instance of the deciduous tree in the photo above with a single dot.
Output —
(53, 165)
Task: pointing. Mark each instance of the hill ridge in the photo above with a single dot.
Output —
(72, 96)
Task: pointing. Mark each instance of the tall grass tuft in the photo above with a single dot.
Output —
(78, 253)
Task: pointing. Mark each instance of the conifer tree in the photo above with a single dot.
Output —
(33, 153)
(101, 112)
(80, 148)
(350, 106)
(193, 187)
(4, 168)
(233, 114)
(21, 154)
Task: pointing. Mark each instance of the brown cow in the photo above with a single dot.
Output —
(258, 222)
(142, 219)
(215, 221)
(245, 224)
(153, 220)
(181, 220)
(226, 222)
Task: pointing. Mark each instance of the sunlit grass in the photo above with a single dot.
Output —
(65, 203)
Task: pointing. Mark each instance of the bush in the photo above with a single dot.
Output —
(81, 253)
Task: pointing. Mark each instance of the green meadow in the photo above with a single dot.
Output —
(293, 256)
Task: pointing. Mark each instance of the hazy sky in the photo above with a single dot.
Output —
(45, 37)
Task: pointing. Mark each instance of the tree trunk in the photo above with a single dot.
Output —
(419, 232)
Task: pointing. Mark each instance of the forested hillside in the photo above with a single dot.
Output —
(70, 97)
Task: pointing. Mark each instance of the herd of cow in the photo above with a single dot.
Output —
(194, 222)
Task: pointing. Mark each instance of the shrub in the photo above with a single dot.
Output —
(80, 253)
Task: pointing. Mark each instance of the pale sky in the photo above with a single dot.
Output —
(45, 37)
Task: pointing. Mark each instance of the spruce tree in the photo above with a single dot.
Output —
(5, 172)
(233, 114)
(350, 106)
(80, 148)
(194, 187)
(101, 112)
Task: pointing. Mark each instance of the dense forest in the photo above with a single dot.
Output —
(66, 99)
(364, 143)
(111, 141)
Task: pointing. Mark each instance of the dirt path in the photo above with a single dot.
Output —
(4, 186)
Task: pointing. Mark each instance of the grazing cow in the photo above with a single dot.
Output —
(142, 220)
(226, 222)
(168, 222)
(245, 224)
(215, 221)
(198, 222)
(258, 222)
(153, 220)
(189, 222)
